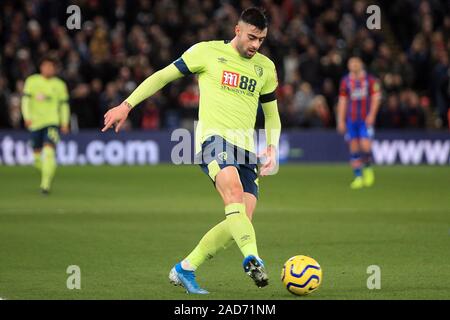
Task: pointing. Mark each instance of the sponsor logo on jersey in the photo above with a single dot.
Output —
(40, 97)
(238, 83)
(359, 93)
(230, 79)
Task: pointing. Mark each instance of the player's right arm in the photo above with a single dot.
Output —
(192, 61)
(342, 108)
(25, 103)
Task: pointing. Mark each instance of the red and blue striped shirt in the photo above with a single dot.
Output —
(358, 92)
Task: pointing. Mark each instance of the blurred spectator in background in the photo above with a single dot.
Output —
(391, 115)
(188, 100)
(414, 113)
(318, 114)
(5, 121)
(121, 42)
(150, 115)
(303, 98)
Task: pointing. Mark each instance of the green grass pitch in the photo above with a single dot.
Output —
(125, 227)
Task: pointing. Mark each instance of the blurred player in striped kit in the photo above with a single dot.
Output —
(359, 100)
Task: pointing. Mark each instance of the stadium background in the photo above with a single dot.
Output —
(122, 42)
(112, 221)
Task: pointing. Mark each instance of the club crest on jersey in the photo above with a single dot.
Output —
(230, 79)
(259, 71)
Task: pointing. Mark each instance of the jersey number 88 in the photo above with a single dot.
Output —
(246, 84)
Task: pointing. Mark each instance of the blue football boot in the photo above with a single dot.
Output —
(186, 279)
(254, 268)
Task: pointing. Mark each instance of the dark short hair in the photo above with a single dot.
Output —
(356, 56)
(254, 16)
(49, 58)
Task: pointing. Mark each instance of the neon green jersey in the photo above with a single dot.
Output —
(45, 102)
(230, 88)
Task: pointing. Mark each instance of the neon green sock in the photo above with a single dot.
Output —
(37, 160)
(48, 167)
(216, 239)
(241, 228)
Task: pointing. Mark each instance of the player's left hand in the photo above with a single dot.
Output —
(370, 120)
(64, 129)
(269, 156)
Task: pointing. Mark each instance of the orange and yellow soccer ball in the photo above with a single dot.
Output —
(301, 275)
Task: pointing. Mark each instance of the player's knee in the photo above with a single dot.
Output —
(48, 152)
(366, 146)
(354, 145)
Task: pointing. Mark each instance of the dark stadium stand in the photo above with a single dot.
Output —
(122, 42)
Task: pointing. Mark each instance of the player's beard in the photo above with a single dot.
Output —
(250, 53)
(245, 51)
